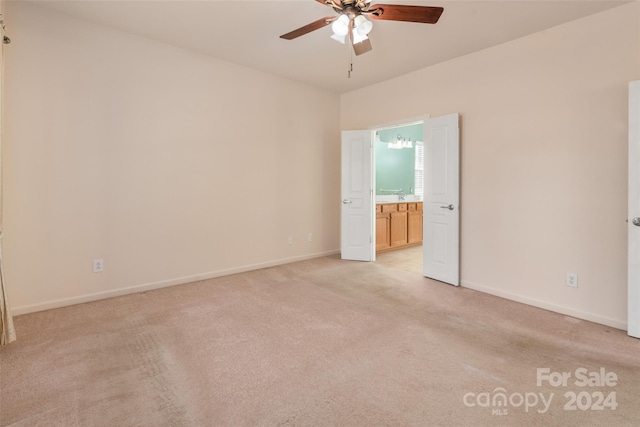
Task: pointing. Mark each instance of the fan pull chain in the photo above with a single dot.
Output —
(350, 69)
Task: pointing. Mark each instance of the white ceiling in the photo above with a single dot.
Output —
(247, 33)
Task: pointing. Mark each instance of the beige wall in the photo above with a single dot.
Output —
(543, 160)
(168, 164)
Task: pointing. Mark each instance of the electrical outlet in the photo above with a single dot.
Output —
(310, 237)
(98, 265)
(290, 240)
(572, 280)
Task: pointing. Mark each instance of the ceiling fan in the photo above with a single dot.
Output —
(352, 20)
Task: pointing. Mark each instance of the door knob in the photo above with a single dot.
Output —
(450, 207)
(636, 221)
(346, 201)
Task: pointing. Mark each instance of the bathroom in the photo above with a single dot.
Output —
(399, 179)
(399, 163)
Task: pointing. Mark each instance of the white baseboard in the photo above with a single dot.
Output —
(614, 323)
(64, 302)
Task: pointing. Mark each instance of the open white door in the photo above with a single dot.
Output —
(441, 213)
(633, 323)
(356, 241)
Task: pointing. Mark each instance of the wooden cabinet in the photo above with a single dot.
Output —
(383, 225)
(398, 225)
(383, 231)
(414, 223)
(398, 228)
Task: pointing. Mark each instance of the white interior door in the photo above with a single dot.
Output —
(356, 242)
(633, 323)
(441, 210)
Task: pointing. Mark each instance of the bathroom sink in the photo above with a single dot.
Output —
(395, 198)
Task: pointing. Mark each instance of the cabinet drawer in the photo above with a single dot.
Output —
(402, 207)
(378, 208)
(391, 207)
(412, 206)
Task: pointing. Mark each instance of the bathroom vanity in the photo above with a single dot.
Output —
(398, 225)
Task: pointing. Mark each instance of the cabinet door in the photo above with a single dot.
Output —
(398, 228)
(382, 232)
(415, 227)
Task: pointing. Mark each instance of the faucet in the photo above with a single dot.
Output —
(399, 193)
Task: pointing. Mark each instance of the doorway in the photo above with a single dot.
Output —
(435, 195)
(398, 183)
(440, 201)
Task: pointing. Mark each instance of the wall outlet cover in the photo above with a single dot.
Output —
(98, 265)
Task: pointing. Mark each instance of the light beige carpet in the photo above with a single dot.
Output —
(318, 343)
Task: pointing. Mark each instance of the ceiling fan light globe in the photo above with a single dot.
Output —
(357, 37)
(339, 38)
(363, 25)
(340, 26)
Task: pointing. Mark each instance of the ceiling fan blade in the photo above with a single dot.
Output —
(316, 25)
(395, 12)
(363, 47)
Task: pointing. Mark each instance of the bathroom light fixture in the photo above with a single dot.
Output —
(400, 143)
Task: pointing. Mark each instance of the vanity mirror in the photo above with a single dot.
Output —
(399, 154)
